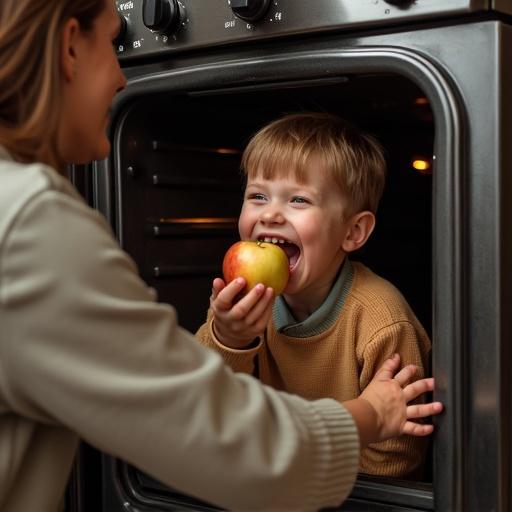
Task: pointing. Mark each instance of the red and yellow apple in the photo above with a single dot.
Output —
(257, 262)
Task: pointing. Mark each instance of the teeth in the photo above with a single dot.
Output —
(272, 240)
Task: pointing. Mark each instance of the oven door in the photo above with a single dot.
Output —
(172, 192)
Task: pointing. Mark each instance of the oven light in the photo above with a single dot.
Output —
(421, 101)
(227, 151)
(422, 165)
(197, 220)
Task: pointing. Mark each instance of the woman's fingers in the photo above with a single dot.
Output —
(417, 412)
(417, 429)
(423, 410)
(417, 388)
(388, 368)
(404, 376)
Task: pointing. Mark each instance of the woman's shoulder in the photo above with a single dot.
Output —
(21, 180)
(47, 229)
(23, 183)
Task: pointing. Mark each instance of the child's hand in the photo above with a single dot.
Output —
(385, 413)
(237, 324)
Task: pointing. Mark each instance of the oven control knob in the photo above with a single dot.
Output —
(398, 2)
(250, 10)
(162, 16)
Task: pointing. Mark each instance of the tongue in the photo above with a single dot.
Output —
(292, 251)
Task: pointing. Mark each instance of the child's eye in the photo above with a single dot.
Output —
(300, 200)
(256, 196)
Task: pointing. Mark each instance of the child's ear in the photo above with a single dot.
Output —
(359, 229)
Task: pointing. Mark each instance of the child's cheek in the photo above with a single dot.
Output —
(245, 225)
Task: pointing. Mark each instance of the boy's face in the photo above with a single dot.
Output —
(308, 217)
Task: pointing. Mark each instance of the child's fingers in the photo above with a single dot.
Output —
(225, 297)
(217, 287)
(260, 308)
(246, 304)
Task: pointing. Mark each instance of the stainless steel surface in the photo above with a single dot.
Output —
(458, 52)
(212, 22)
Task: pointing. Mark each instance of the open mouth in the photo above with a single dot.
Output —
(292, 250)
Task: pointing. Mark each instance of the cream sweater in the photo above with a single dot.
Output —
(369, 320)
(87, 352)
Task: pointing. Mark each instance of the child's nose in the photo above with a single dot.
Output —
(272, 216)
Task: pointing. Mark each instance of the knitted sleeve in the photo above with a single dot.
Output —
(85, 348)
(238, 360)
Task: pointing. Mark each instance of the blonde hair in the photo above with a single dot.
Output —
(354, 160)
(30, 73)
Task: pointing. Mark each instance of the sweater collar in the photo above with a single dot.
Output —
(321, 319)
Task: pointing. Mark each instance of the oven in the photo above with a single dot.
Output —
(430, 79)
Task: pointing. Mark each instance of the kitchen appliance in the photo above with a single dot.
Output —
(428, 78)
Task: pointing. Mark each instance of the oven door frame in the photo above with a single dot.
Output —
(461, 189)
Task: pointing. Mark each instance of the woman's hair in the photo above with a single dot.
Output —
(30, 74)
(293, 143)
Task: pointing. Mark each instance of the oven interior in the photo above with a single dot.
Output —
(180, 187)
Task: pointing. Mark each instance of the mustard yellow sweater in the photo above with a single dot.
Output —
(336, 356)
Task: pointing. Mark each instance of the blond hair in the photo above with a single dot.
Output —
(354, 160)
(30, 75)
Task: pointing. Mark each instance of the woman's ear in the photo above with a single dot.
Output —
(360, 227)
(68, 49)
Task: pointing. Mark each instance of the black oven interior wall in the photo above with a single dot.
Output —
(181, 187)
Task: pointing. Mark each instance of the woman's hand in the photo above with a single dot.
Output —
(236, 322)
(381, 412)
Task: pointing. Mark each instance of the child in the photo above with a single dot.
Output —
(313, 186)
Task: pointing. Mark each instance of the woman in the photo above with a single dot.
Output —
(86, 352)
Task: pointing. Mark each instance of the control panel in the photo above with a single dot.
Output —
(155, 27)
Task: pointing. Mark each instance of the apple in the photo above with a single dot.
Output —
(257, 262)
